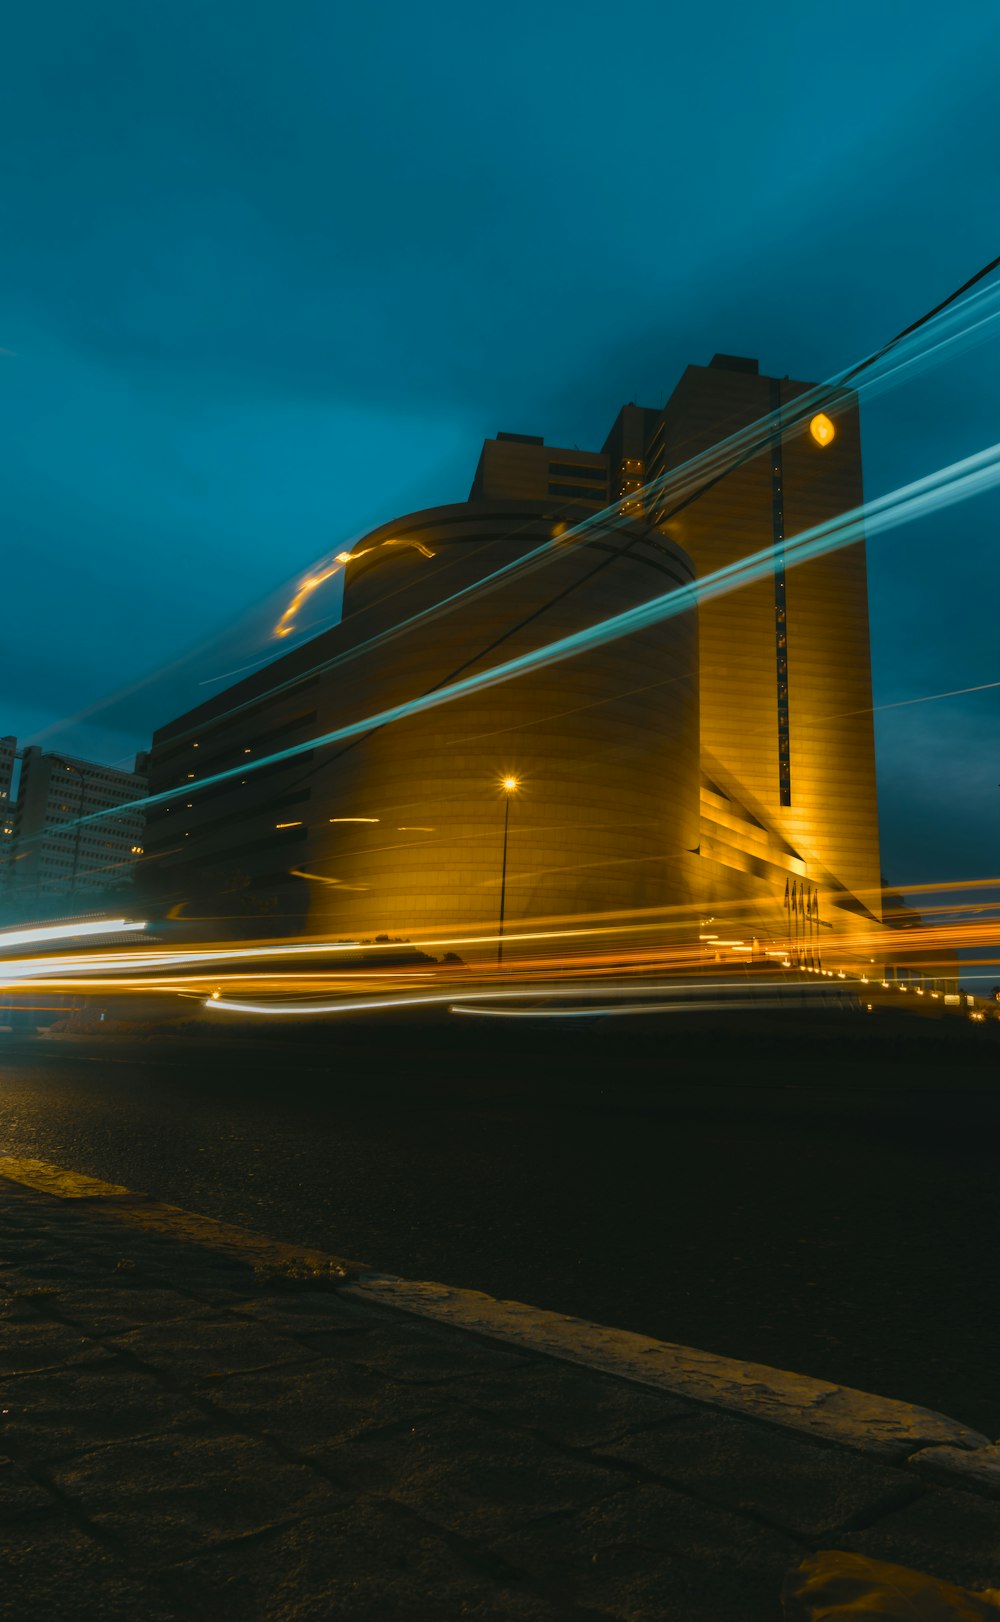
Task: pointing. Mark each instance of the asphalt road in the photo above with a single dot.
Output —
(823, 1198)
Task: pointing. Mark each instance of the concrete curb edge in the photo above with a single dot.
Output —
(941, 1448)
(894, 1430)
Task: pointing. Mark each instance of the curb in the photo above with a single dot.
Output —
(938, 1447)
(882, 1426)
(270, 1258)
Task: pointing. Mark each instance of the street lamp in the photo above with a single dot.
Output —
(822, 429)
(510, 786)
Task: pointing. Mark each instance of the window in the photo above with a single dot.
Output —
(571, 470)
(591, 494)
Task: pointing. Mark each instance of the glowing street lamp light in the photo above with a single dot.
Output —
(510, 785)
(822, 429)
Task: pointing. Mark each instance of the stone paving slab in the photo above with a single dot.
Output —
(303, 1312)
(183, 1439)
(64, 1411)
(196, 1348)
(564, 1404)
(19, 1491)
(653, 1553)
(817, 1494)
(369, 1563)
(476, 1480)
(117, 1307)
(316, 1410)
(424, 1357)
(28, 1347)
(56, 1571)
(165, 1497)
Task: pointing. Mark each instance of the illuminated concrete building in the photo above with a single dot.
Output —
(785, 672)
(717, 762)
(55, 853)
(398, 830)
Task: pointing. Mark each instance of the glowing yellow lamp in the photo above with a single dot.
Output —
(822, 429)
(510, 784)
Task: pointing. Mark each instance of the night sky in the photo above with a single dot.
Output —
(271, 274)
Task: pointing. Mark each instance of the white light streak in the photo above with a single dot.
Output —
(704, 1006)
(478, 994)
(68, 932)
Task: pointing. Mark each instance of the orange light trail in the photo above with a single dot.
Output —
(601, 947)
(602, 951)
(325, 571)
(311, 583)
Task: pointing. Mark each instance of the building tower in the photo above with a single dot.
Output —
(785, 665)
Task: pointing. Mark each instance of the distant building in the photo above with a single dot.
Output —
(8, 761)
(55, 850)
(719, 762)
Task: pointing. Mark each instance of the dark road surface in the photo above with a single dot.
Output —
(825, 1200)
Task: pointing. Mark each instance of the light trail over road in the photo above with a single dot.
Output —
(620, 953)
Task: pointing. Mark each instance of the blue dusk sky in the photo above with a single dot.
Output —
(272, 272)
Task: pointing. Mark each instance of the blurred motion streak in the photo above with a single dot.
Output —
(322, 573)
(963, 321)
(32, 936)
(958, 481)
(608, 956)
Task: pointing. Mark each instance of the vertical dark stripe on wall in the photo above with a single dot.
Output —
(780, 606)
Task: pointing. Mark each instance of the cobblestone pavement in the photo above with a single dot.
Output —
(184, 1439)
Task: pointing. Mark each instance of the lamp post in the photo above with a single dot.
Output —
(509, 786)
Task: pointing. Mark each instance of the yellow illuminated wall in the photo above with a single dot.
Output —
(400, 830)
(831, 822)
(606, 809)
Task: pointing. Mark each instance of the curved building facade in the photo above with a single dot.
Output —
(603, 745)
(399, 829)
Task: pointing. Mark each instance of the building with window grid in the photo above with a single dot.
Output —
(55, 850)
(8, 761)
